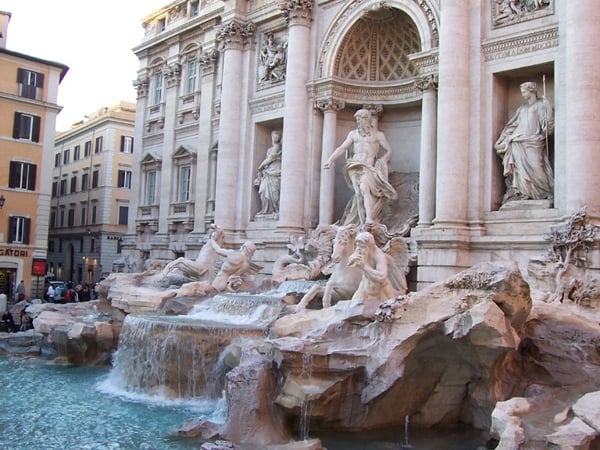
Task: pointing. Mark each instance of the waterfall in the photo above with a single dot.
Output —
(306, 406)
(173, 356)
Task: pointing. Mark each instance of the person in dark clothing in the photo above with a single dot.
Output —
(7, 323)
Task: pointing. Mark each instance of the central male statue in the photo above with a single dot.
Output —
(365, 171)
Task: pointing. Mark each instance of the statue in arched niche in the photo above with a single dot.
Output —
(366, 172)
(268, 178)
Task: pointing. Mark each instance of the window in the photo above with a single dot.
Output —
(98, 148)
(71, 217)
(57, 159)
(183, 194)
(161, 24)
(92, 245)
(29, 82)
(51, 246)
(85, 181)
(76, 152)
(63, 186)
(81, 245)
(26, 126)
(150, 188)
(54, 188)
(52, 220)
(158, 81)
(192, 75)
(83, 215)
(62, 220)
(94, 215)
(18, 230)
(73, 184)
(66, 156)
(87, 149)
(95, 176)
(195, 8)
(126, 144)
(123, 213)
(22, 175)
(124, 180)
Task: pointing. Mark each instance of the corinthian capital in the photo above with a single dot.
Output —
(297, 11)
(208, 61)
(235, 33)
(427, 82)
(329, 104)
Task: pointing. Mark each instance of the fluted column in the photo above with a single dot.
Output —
(330, 107)
(582, 91)
(232, 35)
(208, 63)
(295, 122)
(453, 115)
(172, 76)
(427, 162)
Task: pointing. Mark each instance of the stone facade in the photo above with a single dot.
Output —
(441, 80)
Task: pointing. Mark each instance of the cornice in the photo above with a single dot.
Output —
(514, 45)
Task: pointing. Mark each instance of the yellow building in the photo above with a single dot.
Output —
(91, 186)
(28, 110)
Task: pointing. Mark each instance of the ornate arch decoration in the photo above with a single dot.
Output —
(382, 68)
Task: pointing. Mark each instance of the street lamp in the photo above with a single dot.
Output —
(2, 200)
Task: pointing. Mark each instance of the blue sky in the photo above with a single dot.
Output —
(93, 38)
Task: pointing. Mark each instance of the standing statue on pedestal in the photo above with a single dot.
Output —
(523, 147)
(268, 178)
(365, 171)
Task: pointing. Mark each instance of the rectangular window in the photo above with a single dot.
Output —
(71, 217)
(26, 126)
(76, 153)
(63, 186)
(57, 159)
(22, 175)
(83, 215)
(94, 215)
(52, 220)
(124, 180)
(95, 176)
(62, 218)
(150, 188)
(92, 245)
(54, 188)
(18, 230)
(66, 156)
(161, 24)
(158, 82)
(98, 148)
(87, 149)
(185, 173)
(195, 8)
(127, 144)
(192, 75)
(73, 184)
(29, 81)
(85, 181)
(123, 213)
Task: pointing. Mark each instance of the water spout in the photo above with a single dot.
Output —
(406, 445)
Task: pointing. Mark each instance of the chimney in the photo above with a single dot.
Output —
(4, 19)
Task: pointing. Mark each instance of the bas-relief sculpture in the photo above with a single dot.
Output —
(523, 147)
(365, 171)
(268, 178)
(273, 60)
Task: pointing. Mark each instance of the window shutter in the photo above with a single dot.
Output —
(11, 229)
(20, 75)
(36, 129)
(39, 80)
(26, 230)
(122, 143)
(17, 126)
(32, 176)
(121, 182)
(132, 140)
(13, 177)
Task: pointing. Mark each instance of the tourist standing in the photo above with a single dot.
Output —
(20, 291)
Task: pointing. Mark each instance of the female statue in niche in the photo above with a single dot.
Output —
(523, 147)
(268, 178)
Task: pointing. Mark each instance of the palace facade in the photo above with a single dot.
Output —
(442, 80)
